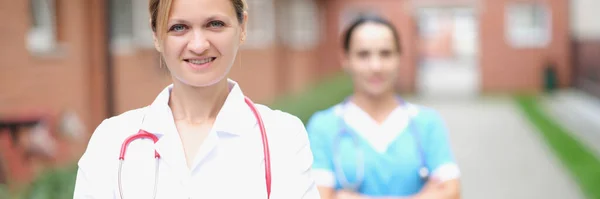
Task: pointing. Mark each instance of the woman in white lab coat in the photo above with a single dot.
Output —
(207, 134)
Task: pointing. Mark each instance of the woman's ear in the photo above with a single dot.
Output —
(156, 43)
(244, 26)
(343, 57)
(155, 38)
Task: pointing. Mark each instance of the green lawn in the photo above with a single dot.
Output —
(579, 160)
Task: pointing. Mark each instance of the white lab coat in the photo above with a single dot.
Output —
(229, 164)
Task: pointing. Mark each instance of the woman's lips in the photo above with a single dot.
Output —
(200, 63)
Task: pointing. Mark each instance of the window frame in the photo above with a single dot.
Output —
(535, 36)
(301, 29)
(42, 38)
(140, 37)
(260, 35)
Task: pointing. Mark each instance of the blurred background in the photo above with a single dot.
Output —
(517, 81)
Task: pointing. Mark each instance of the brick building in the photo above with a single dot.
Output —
(586, 45)
(59, 54)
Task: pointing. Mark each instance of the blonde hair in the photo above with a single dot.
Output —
(160, 10)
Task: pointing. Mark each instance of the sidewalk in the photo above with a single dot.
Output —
(500, 154)
(577, 112)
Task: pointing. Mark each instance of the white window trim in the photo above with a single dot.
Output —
(142, 32)
(529, 37)
(263, 34)
(302, 32)
(42, 39)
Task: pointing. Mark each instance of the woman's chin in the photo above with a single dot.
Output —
(200, 81)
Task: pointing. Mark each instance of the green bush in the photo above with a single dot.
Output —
(4, 191)
(54, 184)
(319, 96)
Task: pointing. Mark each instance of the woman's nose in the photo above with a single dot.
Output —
(375, 63)
(198, 43)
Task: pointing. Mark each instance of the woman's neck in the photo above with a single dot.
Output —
(197, 105)
(378, 107)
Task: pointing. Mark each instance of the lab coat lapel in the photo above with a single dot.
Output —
(171, 150)
(234, 121)
(235, 117)
(159, 121)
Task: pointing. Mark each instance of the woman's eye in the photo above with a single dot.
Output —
(177, 28)
(216, 24)
(386, 53)
(363, 54)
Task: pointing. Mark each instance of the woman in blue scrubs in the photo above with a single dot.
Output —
(374, 144)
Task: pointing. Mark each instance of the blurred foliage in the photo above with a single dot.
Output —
(580, 161)
(4, 191)
(59, 183)
(319, 96)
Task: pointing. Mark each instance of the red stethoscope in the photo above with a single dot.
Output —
(142, 134)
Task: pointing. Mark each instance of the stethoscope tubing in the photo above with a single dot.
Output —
(360, 162)
(142, 134)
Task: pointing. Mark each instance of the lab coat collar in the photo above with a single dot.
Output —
(235, 117)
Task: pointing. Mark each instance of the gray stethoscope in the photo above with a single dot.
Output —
(360, 159)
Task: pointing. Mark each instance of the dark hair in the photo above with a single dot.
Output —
(369, 18)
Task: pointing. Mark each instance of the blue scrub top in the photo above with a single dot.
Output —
(394, 172)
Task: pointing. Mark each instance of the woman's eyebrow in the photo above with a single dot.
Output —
(175, 20)
(218, 17)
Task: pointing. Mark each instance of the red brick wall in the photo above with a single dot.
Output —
(76, 79)
(51, 82)
(505, 68)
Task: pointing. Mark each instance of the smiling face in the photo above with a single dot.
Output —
(200, 41)
(373, 59)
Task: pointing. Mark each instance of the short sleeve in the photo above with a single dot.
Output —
(438, 152)
(318, 128)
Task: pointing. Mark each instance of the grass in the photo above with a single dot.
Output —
(59, 183)
(579, 160)
(4, 191)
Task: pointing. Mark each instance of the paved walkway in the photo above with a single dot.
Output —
(579, 113)
(448, 77)
(499, 152)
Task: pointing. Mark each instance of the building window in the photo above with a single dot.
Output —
(41, 37)
(130, 26)
(261, 24)
(528, 25)
(301, 29)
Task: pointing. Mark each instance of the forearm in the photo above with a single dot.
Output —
(386, 197)
(445, 190)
